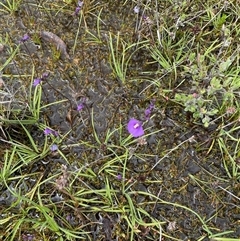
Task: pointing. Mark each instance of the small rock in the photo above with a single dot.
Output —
(193, 168)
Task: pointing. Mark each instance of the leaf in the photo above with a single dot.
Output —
(225, 65)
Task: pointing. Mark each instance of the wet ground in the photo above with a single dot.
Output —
(175, 164)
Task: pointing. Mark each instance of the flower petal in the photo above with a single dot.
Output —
(47, 131)
(24, 38)
(54, 147)
(135, 128)
(80, 107)
(36, 81)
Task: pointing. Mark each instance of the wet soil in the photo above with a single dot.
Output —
(190, 176)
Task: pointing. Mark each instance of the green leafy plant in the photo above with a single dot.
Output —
(201, 109)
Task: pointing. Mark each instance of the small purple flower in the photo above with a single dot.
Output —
(37, 81)
(24, 38)
(119, 177)
(47, 131)
(148, 111)
(45, 75)
(54, 147)
(80, 107)
(78, 8)
(135, 128)
(82, 104)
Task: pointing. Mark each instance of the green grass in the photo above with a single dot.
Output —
(114, 184)
(229, 147)
(121, 53)
(11, 6)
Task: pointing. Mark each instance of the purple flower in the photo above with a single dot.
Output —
(119, 177)
(45, 75)
(80, 107)
(82, 104)
(136, 9)
(47, 131)
(135, 128)
(24, 38)
(148, 111)
(78, 8)
(37, 81)
(54, 147)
